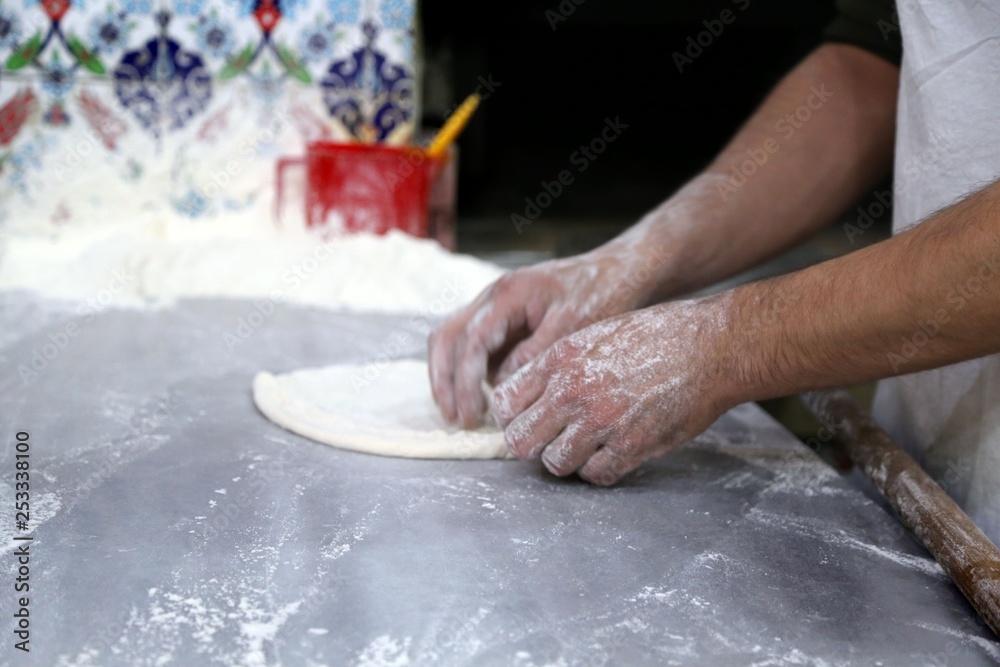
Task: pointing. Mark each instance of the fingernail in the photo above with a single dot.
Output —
(470, 420)
(500, 405)
(551, 460)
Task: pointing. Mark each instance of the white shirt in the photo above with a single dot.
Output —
(947, 146)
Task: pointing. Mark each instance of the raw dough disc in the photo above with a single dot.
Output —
(391, 413)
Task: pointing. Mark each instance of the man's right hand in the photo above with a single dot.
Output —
(520, 315)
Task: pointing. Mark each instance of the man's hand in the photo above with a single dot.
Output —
(521, 315)
(709, 230)
(603, 400)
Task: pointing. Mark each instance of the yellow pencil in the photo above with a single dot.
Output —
(453, 126)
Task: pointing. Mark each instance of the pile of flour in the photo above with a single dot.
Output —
(193, 217)
(156, 260)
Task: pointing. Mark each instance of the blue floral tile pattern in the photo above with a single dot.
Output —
(10, 29)
(161, 84)
(397, 14)
(188, 7)
(345, 11)
(109, 32)
(57, 78)
(215, 38)
(387, 102)
(316, 42)
(138, 77)
(271, 43)
(137, 6)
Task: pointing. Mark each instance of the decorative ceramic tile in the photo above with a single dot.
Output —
(158, 95)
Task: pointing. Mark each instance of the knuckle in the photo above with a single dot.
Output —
(562, 350)
(566, 390)
(473, 356)
(601, 416)
(505, 284)
(561, 393)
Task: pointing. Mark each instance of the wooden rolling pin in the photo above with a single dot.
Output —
(965, 553)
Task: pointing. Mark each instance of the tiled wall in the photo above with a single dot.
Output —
(116, 108)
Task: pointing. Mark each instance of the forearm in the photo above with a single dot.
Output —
(781, 178)
(923, 299)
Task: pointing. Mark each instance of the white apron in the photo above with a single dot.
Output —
(948, 145)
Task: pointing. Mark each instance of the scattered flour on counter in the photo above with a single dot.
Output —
(925, 565)
(819, 530)
(525, 659)
(262, 627)
(991, 648)
(44, 506)
(228, 625)
(674, 597)
(385, 651)
(339, 544)
(795, 657)
(157, 263)
(797, 472)
(229, 616)
(711, 557)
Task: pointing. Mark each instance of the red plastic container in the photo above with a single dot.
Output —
(375, 188)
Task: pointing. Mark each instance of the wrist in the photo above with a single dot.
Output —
(761, 349)
(637, 266)
(752, 351)
(677, 244)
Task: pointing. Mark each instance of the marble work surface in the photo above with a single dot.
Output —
(173, 525)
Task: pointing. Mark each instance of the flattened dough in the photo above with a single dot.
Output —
(391, 414)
